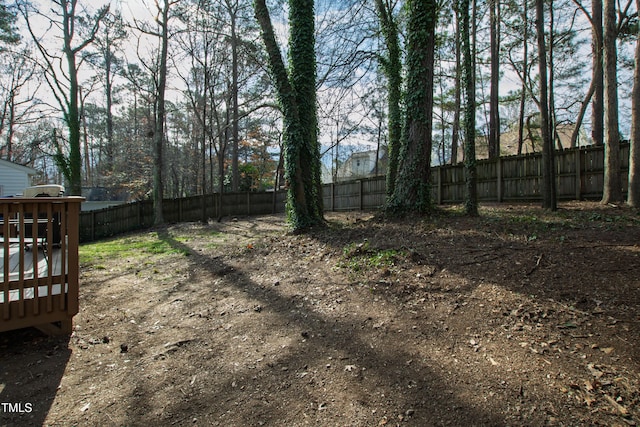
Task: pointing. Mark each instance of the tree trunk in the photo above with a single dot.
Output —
(548, 163)
(612, 191)
(525, 74)
(108, 87)
(413, 188)
(158, 135)
(235, 180)
(392, 67)
(296, 94)
(471, 197)
(580, 117)
(597, 74)
(72, 114)
(455, 131)
(303, 81)
(551, 76)
(634, 156)
(494, 112)
(87, 158)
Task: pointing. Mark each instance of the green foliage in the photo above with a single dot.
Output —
(8, 32)
(360, 257)
(131, 248)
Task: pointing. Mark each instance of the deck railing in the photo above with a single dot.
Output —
(39, 266)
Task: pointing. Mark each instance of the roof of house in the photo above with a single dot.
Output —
(24, 169)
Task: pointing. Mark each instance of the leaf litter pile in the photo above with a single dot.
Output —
(518, 317)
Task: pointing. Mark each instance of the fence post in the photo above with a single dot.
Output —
(439, 193)
(248, 203)
(499, 180)
(333, 197)
(578, 166)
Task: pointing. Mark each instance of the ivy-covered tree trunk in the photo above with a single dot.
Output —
(392, 68)
(297, 97)
(73, 163)
(634, 157)
(302, 56)
(413, 186)
(471, 197)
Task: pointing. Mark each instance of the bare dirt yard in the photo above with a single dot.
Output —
(518, 317)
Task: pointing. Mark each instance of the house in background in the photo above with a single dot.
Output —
(363, 165)
(532, 141)
(14, 178)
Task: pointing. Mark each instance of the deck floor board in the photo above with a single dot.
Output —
(44, 259)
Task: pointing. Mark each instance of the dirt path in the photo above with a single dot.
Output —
(515, 318)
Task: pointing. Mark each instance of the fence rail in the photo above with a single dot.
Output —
(579, 175)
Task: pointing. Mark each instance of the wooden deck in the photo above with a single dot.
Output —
(21, 268)
(39, 263)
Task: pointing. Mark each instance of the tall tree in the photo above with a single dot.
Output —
(161, 32)
(548, 162)
(612, 190)
(594, 95)
(232, 7)
(65, 85)
(17, 96)
(597, 73)
(297, 96)
(468, 76)
(412, 191)
(634, 156)
(108, 64)
(457, 92)
(494, 99)
(392, 68)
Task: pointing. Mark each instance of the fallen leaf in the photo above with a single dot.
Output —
(589, 386)
(568, 325)
(594, 371)
(607, 350)
(616, 405)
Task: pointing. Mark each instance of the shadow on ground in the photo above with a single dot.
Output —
(38, 362)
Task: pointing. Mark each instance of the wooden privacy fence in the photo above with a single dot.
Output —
(133, 216)
(579, 175)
